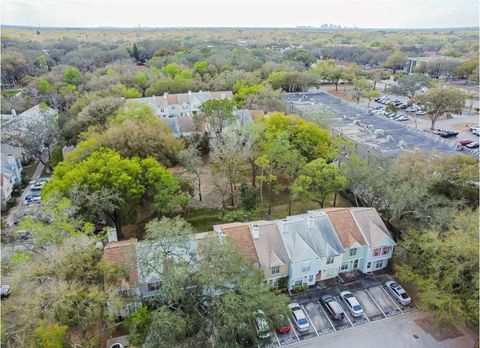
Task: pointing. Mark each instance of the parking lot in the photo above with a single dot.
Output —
(382, 135)
(376, 302)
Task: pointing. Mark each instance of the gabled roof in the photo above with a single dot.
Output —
(269, 244)
(185, 124)
(346, 227)
(123, 254)
(371, 226)
(311, 235)
(239, 234)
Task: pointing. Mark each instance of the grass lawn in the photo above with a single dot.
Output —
(9, 93)
(203, 219)
(28, 171)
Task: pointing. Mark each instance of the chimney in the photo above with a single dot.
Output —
(165, 95)
(255, 232)
(14, 113)
(310, 221)
(283, 225)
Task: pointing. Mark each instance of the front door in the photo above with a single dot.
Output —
(318, 277)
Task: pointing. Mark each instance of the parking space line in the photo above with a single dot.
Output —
(276, 336)
(340, 278)
(326, 315)
(365, 315)
(310, 320)
(293, 327)
(381, 310)
(391, 299)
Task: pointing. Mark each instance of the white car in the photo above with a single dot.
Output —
(299, 317)
(261, 324)
(352, 303)
(398, 293)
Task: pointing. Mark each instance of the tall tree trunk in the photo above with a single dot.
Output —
(336, 85)
(335, 199)
(231, 193)
(374, 85)
(434, 119)
(261, 192)
(254, 172)
(270, 198)
(199, 188)
(118, 225)
(289, 203)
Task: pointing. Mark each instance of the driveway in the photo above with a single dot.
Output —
(396, 332)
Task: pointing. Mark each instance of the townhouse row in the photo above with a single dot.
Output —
(298, 250)
(308, 248)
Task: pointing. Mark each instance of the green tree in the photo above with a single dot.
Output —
(142, 81)
(107, 185)
(391, 107)
(448, 289)
(266, 99)
(216, 112)
(409, 85)
(396, 61)
(329, 70)
(44, 86)
(248, 196)
(72, 76)
(136, 53)
(50, 336)
(138, 325)
(191, 160)
(318, 179)
(440, 101)
(370, 95)
(360, 87)
(310, 140)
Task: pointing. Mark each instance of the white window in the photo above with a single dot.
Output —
(355, 264)
(386, 250)
(369, 265)
(310, 279)
(275, 269)
(162, 110)
(306, 266)
(344, 266)
(379, 264)
(330, 260)
(377, 251)
(275, 282)
(154, 286)
(173, 107)
(353, 251)
(298, 282)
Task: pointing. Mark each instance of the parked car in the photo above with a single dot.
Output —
(333, 307)
(5, 291)
(352, 303)
(421, 113)
(398, 293)
(31, 196)
(299, 317)
(117, 345)
(283, 325)
(402, 106)
(446, 133)
(465, 142)
(402, 118)
(411, 109)
(261, 324)
(476, 132)
(474, 128)
(36, 199)
(472, 145)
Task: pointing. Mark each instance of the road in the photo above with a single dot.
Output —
(396, 332)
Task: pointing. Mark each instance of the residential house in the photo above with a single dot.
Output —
(271, 252)
(350, 237)
(6, 189)
(123, 255)
(240, 235)
(17, 125)
(314, 251)
(12, 167)
(377, 237)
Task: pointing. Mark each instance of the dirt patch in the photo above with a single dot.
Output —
(428, 325)
(340, 94)
(464, 127)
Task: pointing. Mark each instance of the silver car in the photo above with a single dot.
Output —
(398, 293)
(352, 303)
(299, 317)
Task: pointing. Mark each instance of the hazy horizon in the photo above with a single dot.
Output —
(360, 14)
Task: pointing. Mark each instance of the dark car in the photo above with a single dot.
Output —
(446, 133)
(333, 307)
(465, 142)
(283, 325)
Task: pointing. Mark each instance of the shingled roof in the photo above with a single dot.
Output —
(239, 234)
(346, 227)
(123, 254)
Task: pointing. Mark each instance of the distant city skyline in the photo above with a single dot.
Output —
(368, 14)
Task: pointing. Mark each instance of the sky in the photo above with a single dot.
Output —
(244, 13)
